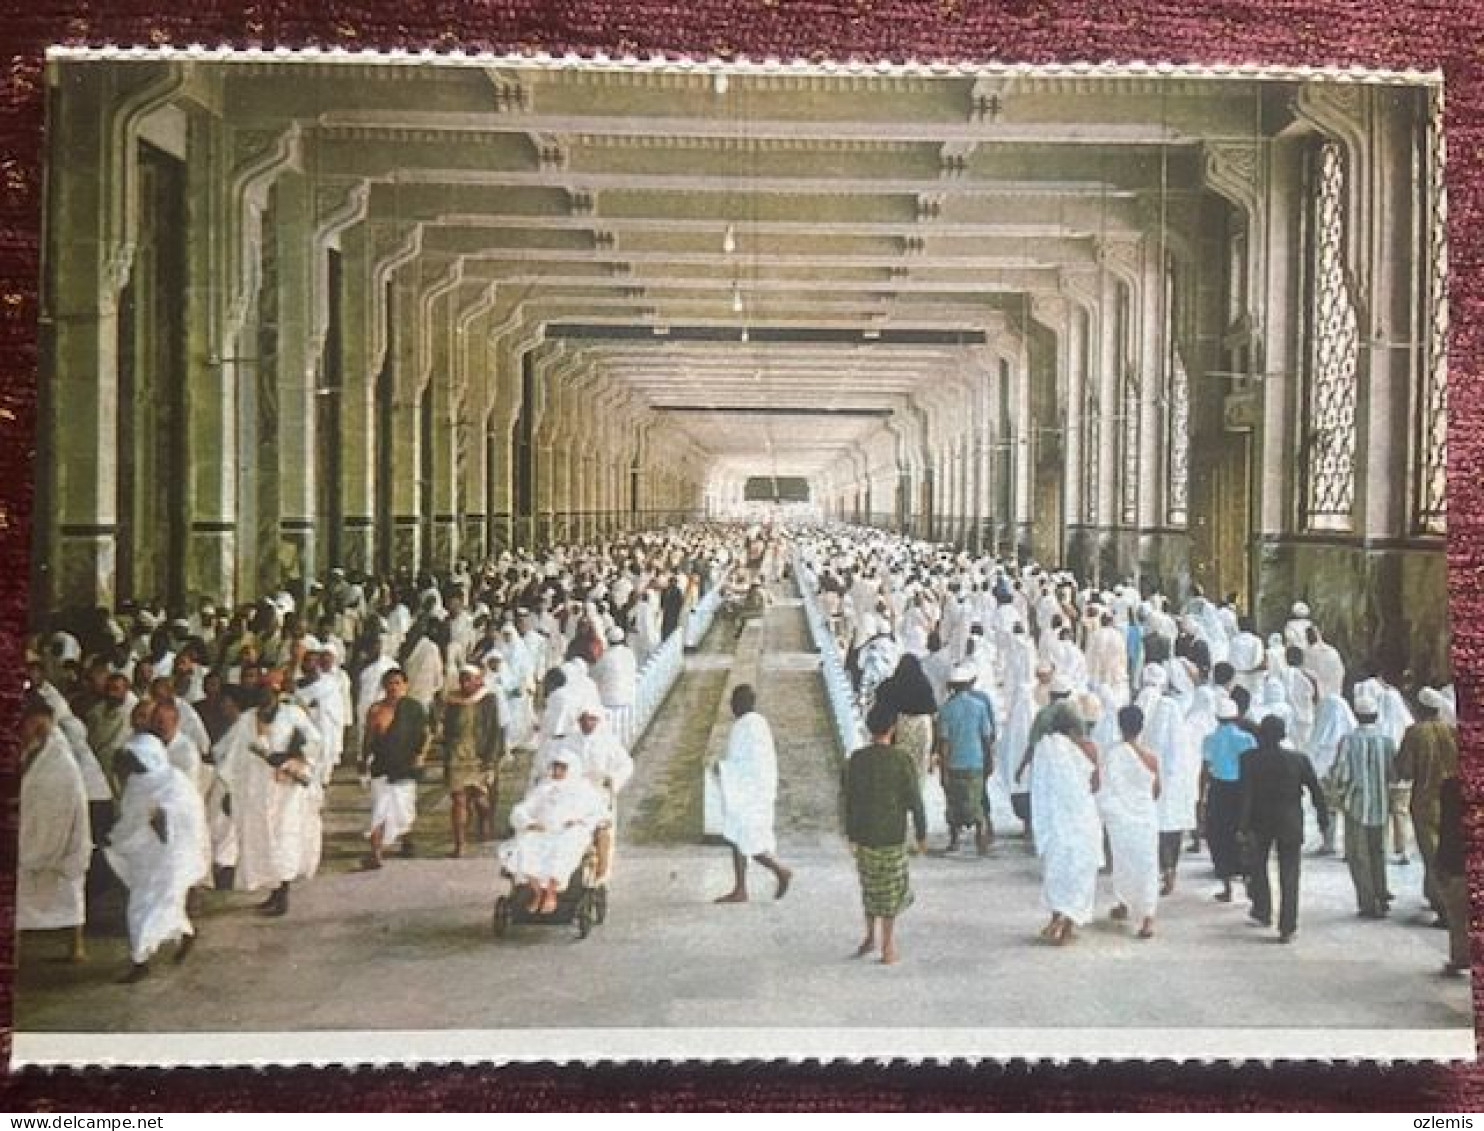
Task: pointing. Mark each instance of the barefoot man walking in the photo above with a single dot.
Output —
(748, 776)
(881, 788)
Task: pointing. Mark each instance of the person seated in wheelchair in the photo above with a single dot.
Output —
(554, 826)
(607, 767)
(734, 592)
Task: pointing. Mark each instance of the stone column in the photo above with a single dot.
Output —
(93, 128)
(442, 305)
(297, 465)
(406, 425)
(374, 251)
(211, 394)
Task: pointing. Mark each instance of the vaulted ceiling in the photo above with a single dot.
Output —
(776, 260)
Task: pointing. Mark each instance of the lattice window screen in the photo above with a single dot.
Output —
(1432, 447)
(1179, 440)
(1129, 401)
(1334, 349)
(1177, 409)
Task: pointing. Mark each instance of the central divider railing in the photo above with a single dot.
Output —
(663, 667)
(850, 731)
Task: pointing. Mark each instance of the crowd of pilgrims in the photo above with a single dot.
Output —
(1114, 726)
(178, 753)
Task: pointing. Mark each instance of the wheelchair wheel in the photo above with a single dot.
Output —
(501, 922)
(600, 905)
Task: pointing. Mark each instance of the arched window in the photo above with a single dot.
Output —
(1431, 473)
(1333, 335)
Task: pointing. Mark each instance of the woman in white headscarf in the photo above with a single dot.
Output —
(1274, 703)
(158, 850)
(56, 842)
(1333, 720)
(553, 827)
(1179, 756)
(1069, 832)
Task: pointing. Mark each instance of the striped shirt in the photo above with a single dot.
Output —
(1365, 765)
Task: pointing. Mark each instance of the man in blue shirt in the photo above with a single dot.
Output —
(966, 735)
(1222, 753)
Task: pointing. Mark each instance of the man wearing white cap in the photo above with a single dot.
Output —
(158, 848)
(1359, 785)
(966, 734)
(1222, 753)
(617, 676)
(1394, 718)
(473, 735)
(1428, 756)
(1296, 631)
(323, 699)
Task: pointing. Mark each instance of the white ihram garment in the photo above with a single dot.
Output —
(1131, 816)
(424, 672)
(748, 778)
(1333, 720)
(56, 841)
(159, 875)
(324, 702)
(393, 808)
(279, 834)
(1179, 752)
(1107, 662)
(1069, 835)
(554, 825)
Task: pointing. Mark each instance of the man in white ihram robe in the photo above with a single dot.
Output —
(276, 807)
(747, 780)
(1069, 834)
(553, 827)
(159, 849)
(1107, 660)
(1128, 790)
(56, 841)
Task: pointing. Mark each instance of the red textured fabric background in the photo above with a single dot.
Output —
(1379, 33)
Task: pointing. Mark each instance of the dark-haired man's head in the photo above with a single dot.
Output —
(1130, 722)
(1223, 674)
(881, 719)
(1272, 731)
(744, 700)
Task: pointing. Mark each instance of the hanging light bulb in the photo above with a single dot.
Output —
(744, 334)
(736, 299)
(729, 240)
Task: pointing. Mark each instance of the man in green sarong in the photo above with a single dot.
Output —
(881, 789)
